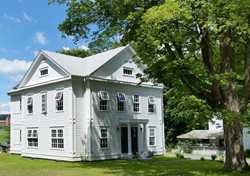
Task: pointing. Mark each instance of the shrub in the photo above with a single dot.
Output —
(178, 154)
(186, 145)
(181, 156)
(213, 156)
(202, 158)
(247, 153)
(169, 147)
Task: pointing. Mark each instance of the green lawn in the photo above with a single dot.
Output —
(16, 165)
(2, 135)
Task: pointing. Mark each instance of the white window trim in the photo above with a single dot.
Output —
(139, 103)
(30, 103)
(43, 69)
(57, 129)
(102, 128)
(32, 136)
(149, 135)
(59, 97)
(120, 101)
(102, 99)
(45, 103)
(128, 68)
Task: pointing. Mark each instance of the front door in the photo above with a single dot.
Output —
(124, 139)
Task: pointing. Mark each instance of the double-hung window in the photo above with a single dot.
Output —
(59, 101)
(32, 137)
(151, 104)
(121, 101)
(104, 138)
(103, 100)
(30, 105)
(136, 103)
(44, 103)
(152, 136)
(57, 140)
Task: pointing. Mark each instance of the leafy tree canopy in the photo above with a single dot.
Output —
(200, 47)
(78, 52)
(3, 116)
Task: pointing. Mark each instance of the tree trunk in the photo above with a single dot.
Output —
(235, 154)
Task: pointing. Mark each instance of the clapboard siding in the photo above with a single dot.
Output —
(110, 119)
(45, 122)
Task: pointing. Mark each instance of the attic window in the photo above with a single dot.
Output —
(128, 71)
(44, 72)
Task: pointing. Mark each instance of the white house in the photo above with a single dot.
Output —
(69, 108)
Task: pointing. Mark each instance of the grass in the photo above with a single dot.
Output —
(2, 135)
(2, 138)
(16, 165)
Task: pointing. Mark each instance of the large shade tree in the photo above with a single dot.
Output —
(200, 47)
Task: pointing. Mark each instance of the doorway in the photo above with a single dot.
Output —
(124, 139)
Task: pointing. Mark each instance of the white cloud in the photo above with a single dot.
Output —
(35, 52)
(84, 47)
(15, 51)
(16, 78)
(12, 18)
(39, 38)
(3, 49)
(26, 17)
(66, 48)
(5, 108)
(14, 67)
(20, 1)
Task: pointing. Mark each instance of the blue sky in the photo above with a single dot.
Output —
(26, 27)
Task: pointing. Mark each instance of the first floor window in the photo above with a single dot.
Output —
(59, 101)
(152, 136)
(32, 137)
(57, 140)
(104, 138)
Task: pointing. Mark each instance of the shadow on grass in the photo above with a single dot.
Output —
(161, 166)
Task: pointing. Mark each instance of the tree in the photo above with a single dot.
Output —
(201, 47)
(78, 52)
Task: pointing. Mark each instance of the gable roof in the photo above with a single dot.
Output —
(76, 66)
(82, 66)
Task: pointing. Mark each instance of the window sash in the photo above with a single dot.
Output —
(127, 71)
(103, 105)
(104, 95)
(57, 140)
(32, 134)
(29, 101)
(44, 102)
(151, 108)
(120, 106)
(151, 100)
(44, 72)
(104, 138)
(59, 96)
(121, 97)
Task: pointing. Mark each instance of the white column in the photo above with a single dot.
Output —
(129, 139)
(145, 138)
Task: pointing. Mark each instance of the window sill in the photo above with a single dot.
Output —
(104, 148)
(60, 149)
(137, 112)
(132, 76)
(30, 114)
(59, 111)
(151, 113)
(43, 76)
(29, 147)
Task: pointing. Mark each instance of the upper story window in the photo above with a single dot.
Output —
(44, 72)
(120, 101)
(30, 105)
(151, 104)
(136, 103)
(59, 101)
(103, 103)
(32, 137)
(44, 103)
(128, 71)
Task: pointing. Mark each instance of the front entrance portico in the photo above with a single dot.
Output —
(129, 135)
